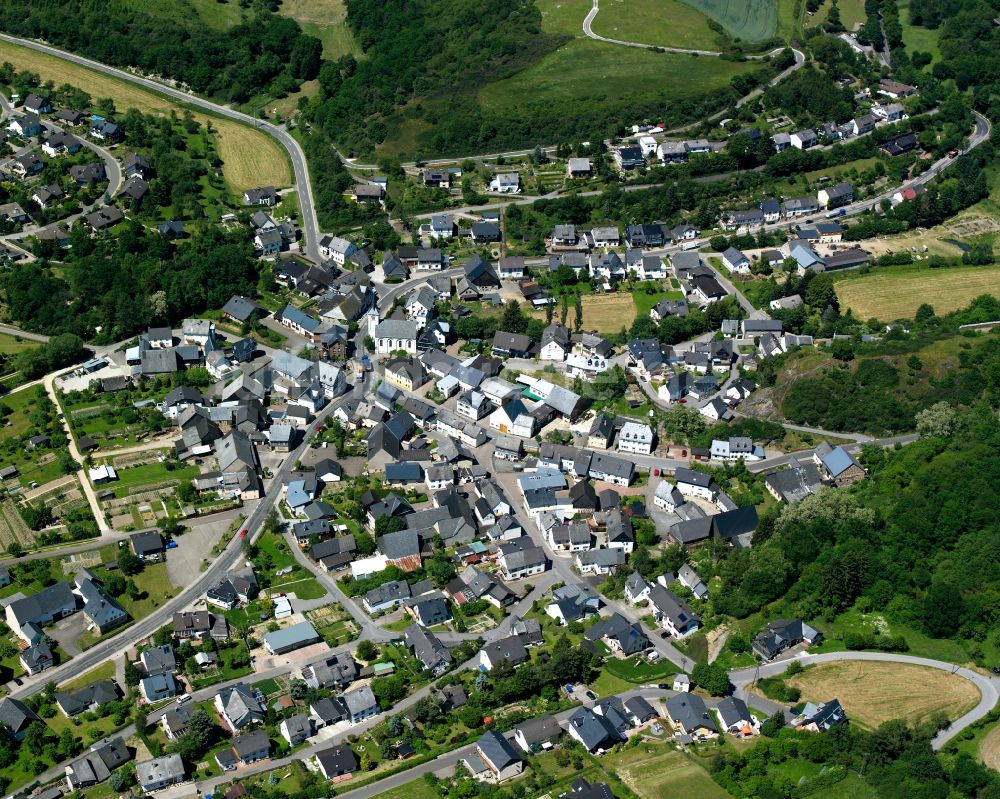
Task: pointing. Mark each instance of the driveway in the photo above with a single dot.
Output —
(67, 631)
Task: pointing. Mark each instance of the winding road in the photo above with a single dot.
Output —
(310, 225)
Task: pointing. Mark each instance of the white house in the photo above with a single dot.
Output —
(506, 183)
(396, 334)
(636, 437)
(337, 249)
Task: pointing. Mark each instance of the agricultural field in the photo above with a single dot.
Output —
(654, 771)
(12, 527)
(586, 71)
(750, 20)
(874, 692)
(327, 21)
(989, 749)
(669, 23)
(250, 158)
(897, 294)
(605, 313)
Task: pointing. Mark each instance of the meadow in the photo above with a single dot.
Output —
(250, 158)
(661, 22)
(897, 294)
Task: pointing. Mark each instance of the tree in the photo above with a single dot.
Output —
(367, 651)
(938, 420)
(115, 585)
(129, 563)
(14, 549)
(141, 721)
(132, 674)
(842, 350)
(578, 313)
(773, 724)
(712, 677)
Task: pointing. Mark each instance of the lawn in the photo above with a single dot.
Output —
(654, 771)
(751, 20)
(644, 302)
(605, 313)
(210, 13)
(250, 158)
(105, 671)
(637, 670)
(851, 787)
(660, 22)
(874, 692)
(327, 21)
(894, 295)
(11, 345)
(586, 71)
(416, 789)
(150, 474)
(917, 38)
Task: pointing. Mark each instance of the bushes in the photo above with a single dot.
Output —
(857, 640)
(778, 690)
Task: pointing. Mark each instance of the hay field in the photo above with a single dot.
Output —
(605, 313)
(250, 158)
(873, 692)
(889, 296)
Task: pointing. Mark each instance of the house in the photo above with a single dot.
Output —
(622, 637)
(835, 196)
(239, 706)
(689, 715)
(37, 658)
(639, 711)
(573, 602)
(800, 206)
(600, 561)
(336, 249)
(820, 718)
(555, 343)
(803, 139)
(505, 183)
(746, 220)
(88, 698)
(681, 684)
(148, 546)
(795, 483)
(538, 733)
(26, 126)
(895, 89)
(360, 703)
(42, 608)
(500, 759)
(736, 448)
(436, 178)
(706, 289)
(629, 157)
(160, 772)
(596, 733)
(247, 749)
(838, 465)
(521, 558)
(158, 660)
(386, 596)
(511, 345)
(264, 195)
(782, 635)
(672, 613)
(16, 717)
(396, 334)
(37, 105)
(406, 373)
(579, 168)
(290, 638)
(442, 226)
(735, 261)
(636, 589)
(735, 718)
(899, 144)
(695, 483)
(428, 649)
(368, 193)
(158, 687)
(336, 762)
(569, 536)
(689, 578)
(636, 437)
(95, 766)
(512, 649)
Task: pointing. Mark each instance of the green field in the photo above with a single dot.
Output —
(585, 71)
(10, 345)
(654, 772)
(327, 21)
(215, 14)
(750, 20)
(917, 38)
(661, 22)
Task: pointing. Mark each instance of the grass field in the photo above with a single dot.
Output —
(216, 14)
(989, 749)
(660, 22)
(917, 38)
(327, 21)
(654, 772)
(751, 20)
(9, 345)
(605, 313)
(250, 158)
(593, 72)
(873, 692)
(891, 296)
(852, 13)
(105, 671)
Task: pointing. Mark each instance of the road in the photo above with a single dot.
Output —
(989, 687)
(13, 331)
(111, 167)
(589, 19)
(307, 206)
(200, 584)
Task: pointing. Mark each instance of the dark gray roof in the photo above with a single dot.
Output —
(497, 751)
(15, 715)
(690, 711)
